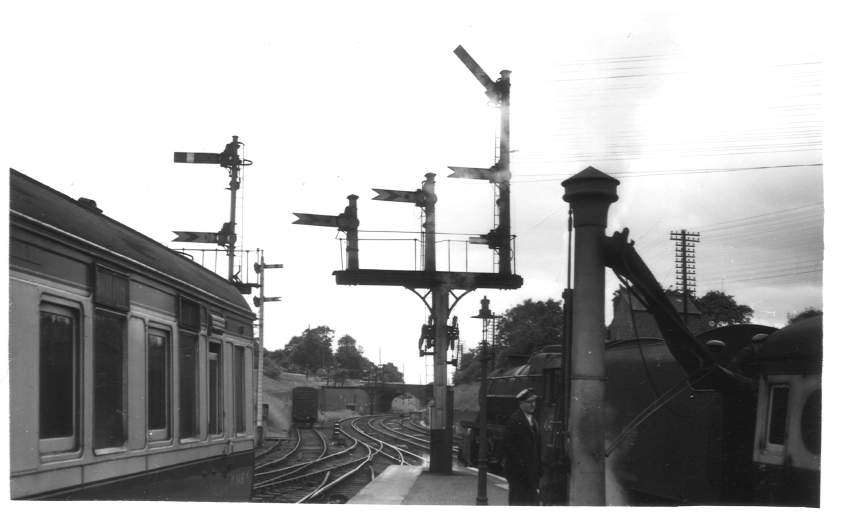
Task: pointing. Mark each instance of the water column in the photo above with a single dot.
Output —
(590, 194)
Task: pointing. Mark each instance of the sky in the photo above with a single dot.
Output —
(710, 115)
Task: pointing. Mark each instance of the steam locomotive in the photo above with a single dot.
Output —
(729, 417)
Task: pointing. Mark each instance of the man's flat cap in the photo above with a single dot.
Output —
(526, 395)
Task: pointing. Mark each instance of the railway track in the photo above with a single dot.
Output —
(390, 428)
(287, 476)
(415, 433)
(308, 469)
(279, 451)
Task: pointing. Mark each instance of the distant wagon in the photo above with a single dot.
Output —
(130, 366)
(304, 405)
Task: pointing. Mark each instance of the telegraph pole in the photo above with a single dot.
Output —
(685, 264)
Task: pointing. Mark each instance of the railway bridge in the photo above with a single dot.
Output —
(376, 396)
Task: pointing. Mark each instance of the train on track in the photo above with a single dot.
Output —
(131, 367)
(304, 406)
(729, 417)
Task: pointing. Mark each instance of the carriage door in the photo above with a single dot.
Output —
(214, 366)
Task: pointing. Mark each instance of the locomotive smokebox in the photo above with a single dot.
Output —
(589, 194)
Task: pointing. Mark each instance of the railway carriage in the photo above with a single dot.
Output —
(304, 405)
(131, 367)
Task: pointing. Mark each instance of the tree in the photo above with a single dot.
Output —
(339, 377)
(719, 309)
(807, 312)
(311, 350)
(271, 365)
(469, 369)
(391, 374)
(529, 326)
(349, 357)
(522, 330)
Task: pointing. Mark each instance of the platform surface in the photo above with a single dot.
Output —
(412, 485)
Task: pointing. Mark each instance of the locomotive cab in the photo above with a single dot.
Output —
(786, 454)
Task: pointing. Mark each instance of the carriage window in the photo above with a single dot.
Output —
(778, 400)
(239, 387)
(110, 379)
(214, 364)
(158, 384)
(59, 376)
(812, 422)
(189, 385)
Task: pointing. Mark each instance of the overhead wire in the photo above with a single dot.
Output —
(771, 276)
(798, 130)
(522, 178)
(780, 222)
(782, 211)
(795, 127)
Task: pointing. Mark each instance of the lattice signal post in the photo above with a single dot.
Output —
(260, 301)
(498, 92)
(439, 284)
(685, 264)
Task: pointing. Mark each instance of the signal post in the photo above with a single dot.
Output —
(260, 301)
(226, 237)
(440, 284)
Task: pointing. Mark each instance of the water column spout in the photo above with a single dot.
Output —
(590, 194)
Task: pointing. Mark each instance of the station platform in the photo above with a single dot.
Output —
(412, 485)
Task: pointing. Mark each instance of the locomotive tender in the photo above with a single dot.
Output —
(131, 367)
(732, 416)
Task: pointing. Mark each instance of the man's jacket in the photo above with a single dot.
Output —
(522, 450)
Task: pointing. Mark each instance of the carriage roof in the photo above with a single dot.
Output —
(49, 209)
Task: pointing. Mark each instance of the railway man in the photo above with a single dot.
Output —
(522, 447)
